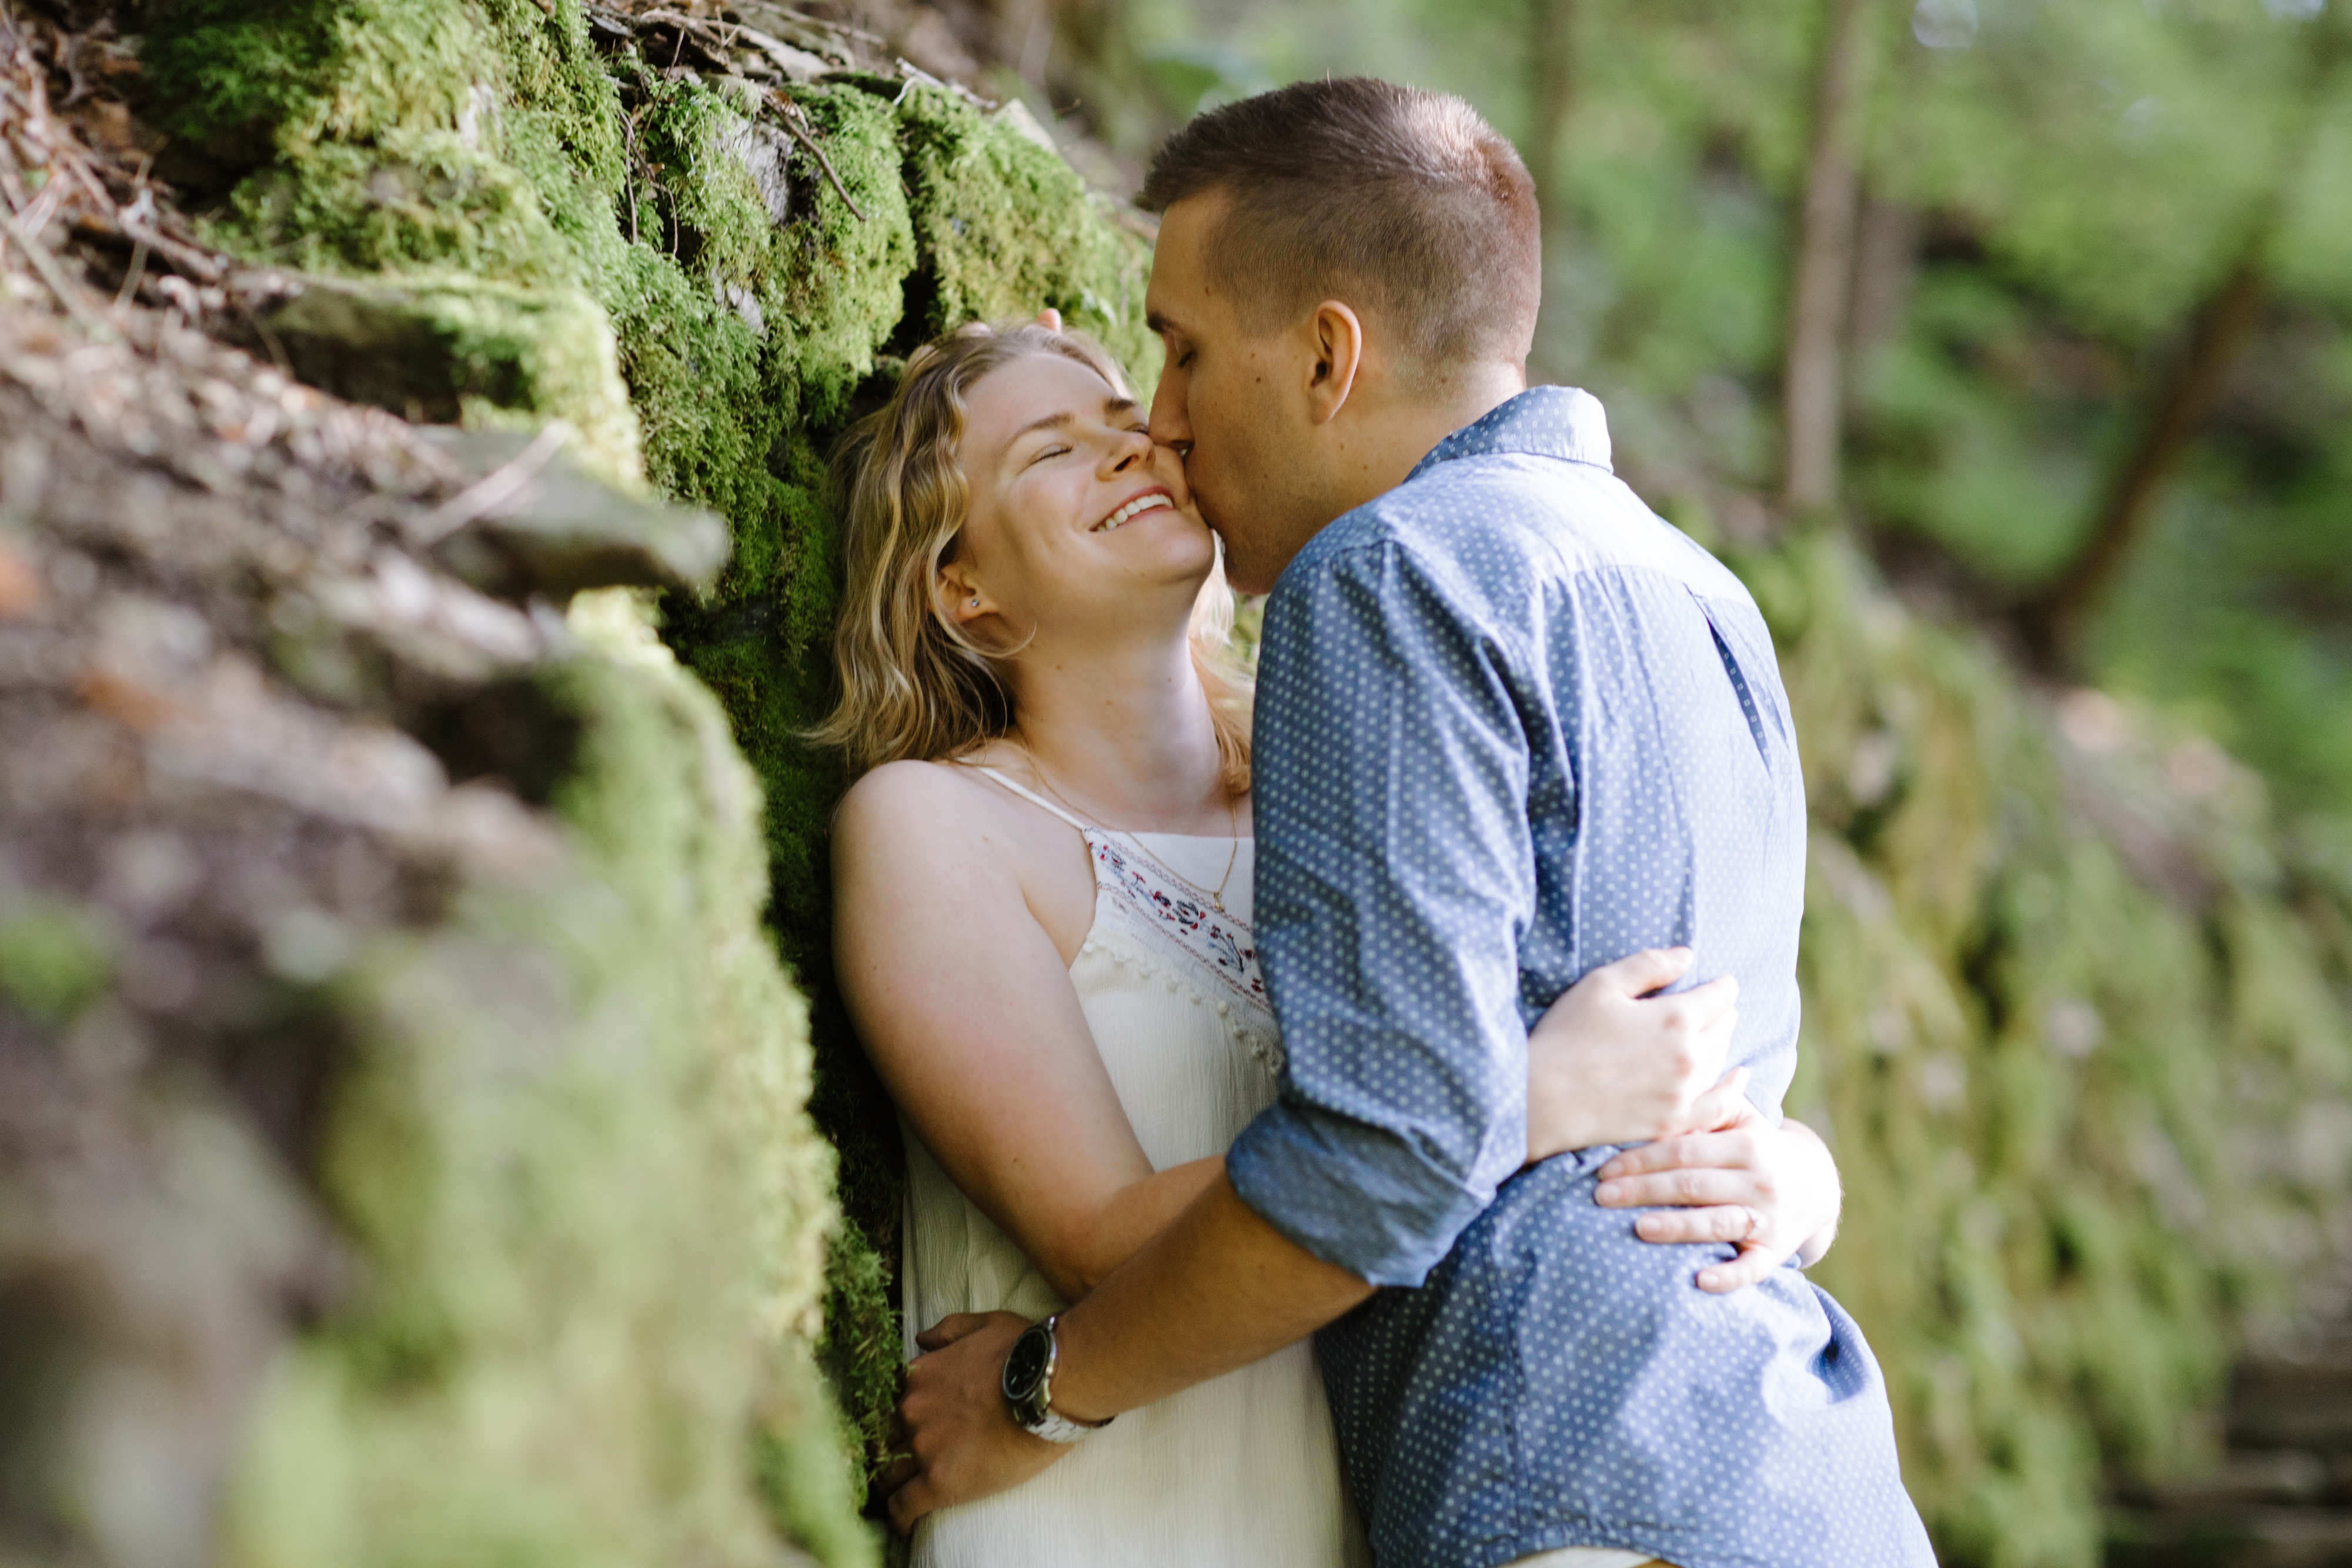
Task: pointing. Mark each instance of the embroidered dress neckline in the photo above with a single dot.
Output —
(1204, 838)
(1217, 942)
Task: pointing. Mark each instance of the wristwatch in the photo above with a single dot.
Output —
(1029, 1386)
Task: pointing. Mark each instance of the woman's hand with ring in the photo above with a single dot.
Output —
(1771, 1192)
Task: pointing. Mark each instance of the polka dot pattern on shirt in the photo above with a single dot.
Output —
(1510, 727)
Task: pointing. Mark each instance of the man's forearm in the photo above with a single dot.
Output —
(1217, 1290)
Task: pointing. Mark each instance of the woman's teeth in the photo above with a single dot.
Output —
(1134, 508)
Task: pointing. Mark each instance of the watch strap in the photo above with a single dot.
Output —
(1057, 1428)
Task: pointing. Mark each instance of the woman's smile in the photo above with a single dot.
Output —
(1135, 506)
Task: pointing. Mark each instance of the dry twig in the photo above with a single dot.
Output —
(796, 122)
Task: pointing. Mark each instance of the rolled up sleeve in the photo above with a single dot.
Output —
(1396, 883)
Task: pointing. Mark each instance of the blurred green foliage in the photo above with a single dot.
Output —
(54, 957)
(2077, 1024)
(2076, 982)
(2053, 187)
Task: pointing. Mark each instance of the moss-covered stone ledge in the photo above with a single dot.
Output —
(706, 266)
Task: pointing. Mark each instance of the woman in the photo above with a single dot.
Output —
(1042, 892)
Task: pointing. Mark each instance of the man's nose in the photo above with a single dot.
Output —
(1169, 427)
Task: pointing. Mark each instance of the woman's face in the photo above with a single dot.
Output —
(1077, 521)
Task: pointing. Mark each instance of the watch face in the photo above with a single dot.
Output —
(1025, 1367)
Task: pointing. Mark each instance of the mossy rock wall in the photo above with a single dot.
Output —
(403, 1152)
(756, 253)
(574, 1156)
(2076, 1005)
(2076, 1023)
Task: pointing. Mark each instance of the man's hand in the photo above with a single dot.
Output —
(956, 1436)
(1772, 1192)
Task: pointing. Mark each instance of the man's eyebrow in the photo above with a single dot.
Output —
(1112, 408)
(1158, 324)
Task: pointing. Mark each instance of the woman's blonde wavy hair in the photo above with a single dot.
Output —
(913, 683)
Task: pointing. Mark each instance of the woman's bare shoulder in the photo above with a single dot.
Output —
(915, 839)
(910, 783)
(914, 801)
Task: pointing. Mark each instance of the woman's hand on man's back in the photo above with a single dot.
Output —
(1771, 1192)
(1614, 1062)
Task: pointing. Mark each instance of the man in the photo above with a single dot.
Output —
(1510, 726)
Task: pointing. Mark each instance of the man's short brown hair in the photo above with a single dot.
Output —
(1402, 203)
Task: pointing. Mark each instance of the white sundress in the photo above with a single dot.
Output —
(1237, 1472)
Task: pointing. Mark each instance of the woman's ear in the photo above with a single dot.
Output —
(960, 596)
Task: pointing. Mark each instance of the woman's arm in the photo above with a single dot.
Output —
(1610, 1063)
(965, 1005)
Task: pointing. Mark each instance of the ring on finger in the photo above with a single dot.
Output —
(1755, 1224)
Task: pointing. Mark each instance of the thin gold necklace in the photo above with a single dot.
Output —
(1215, 895)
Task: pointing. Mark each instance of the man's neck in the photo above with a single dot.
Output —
(1384, 443)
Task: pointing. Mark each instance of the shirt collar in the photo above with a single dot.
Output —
(1541, 421)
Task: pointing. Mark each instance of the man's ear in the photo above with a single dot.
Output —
(1337, 338)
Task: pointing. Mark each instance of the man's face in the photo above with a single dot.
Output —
(1223, 403)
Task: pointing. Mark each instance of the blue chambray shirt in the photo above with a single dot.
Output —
(1510, 727)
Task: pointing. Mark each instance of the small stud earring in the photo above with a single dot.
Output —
(975, 603)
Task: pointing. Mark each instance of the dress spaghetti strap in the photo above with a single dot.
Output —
(1030, 795)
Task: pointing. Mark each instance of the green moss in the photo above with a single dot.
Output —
(561, 116)
(864, 1351)
(576, 1161)
(443, 347)
(493, 173)
(803, 1461)
(415, 199)
(843, 273)
(55, 957)
(244, 79)
(2064, 1027)
(1007, 227)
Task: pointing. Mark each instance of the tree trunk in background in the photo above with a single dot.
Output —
(2053, 619)
(1885, 260)
(1812, 396)
(1553, 50)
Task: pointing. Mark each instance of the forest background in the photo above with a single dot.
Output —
(2093, 265)
(2043, 311)
(2040, 309)
(402, 1150)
